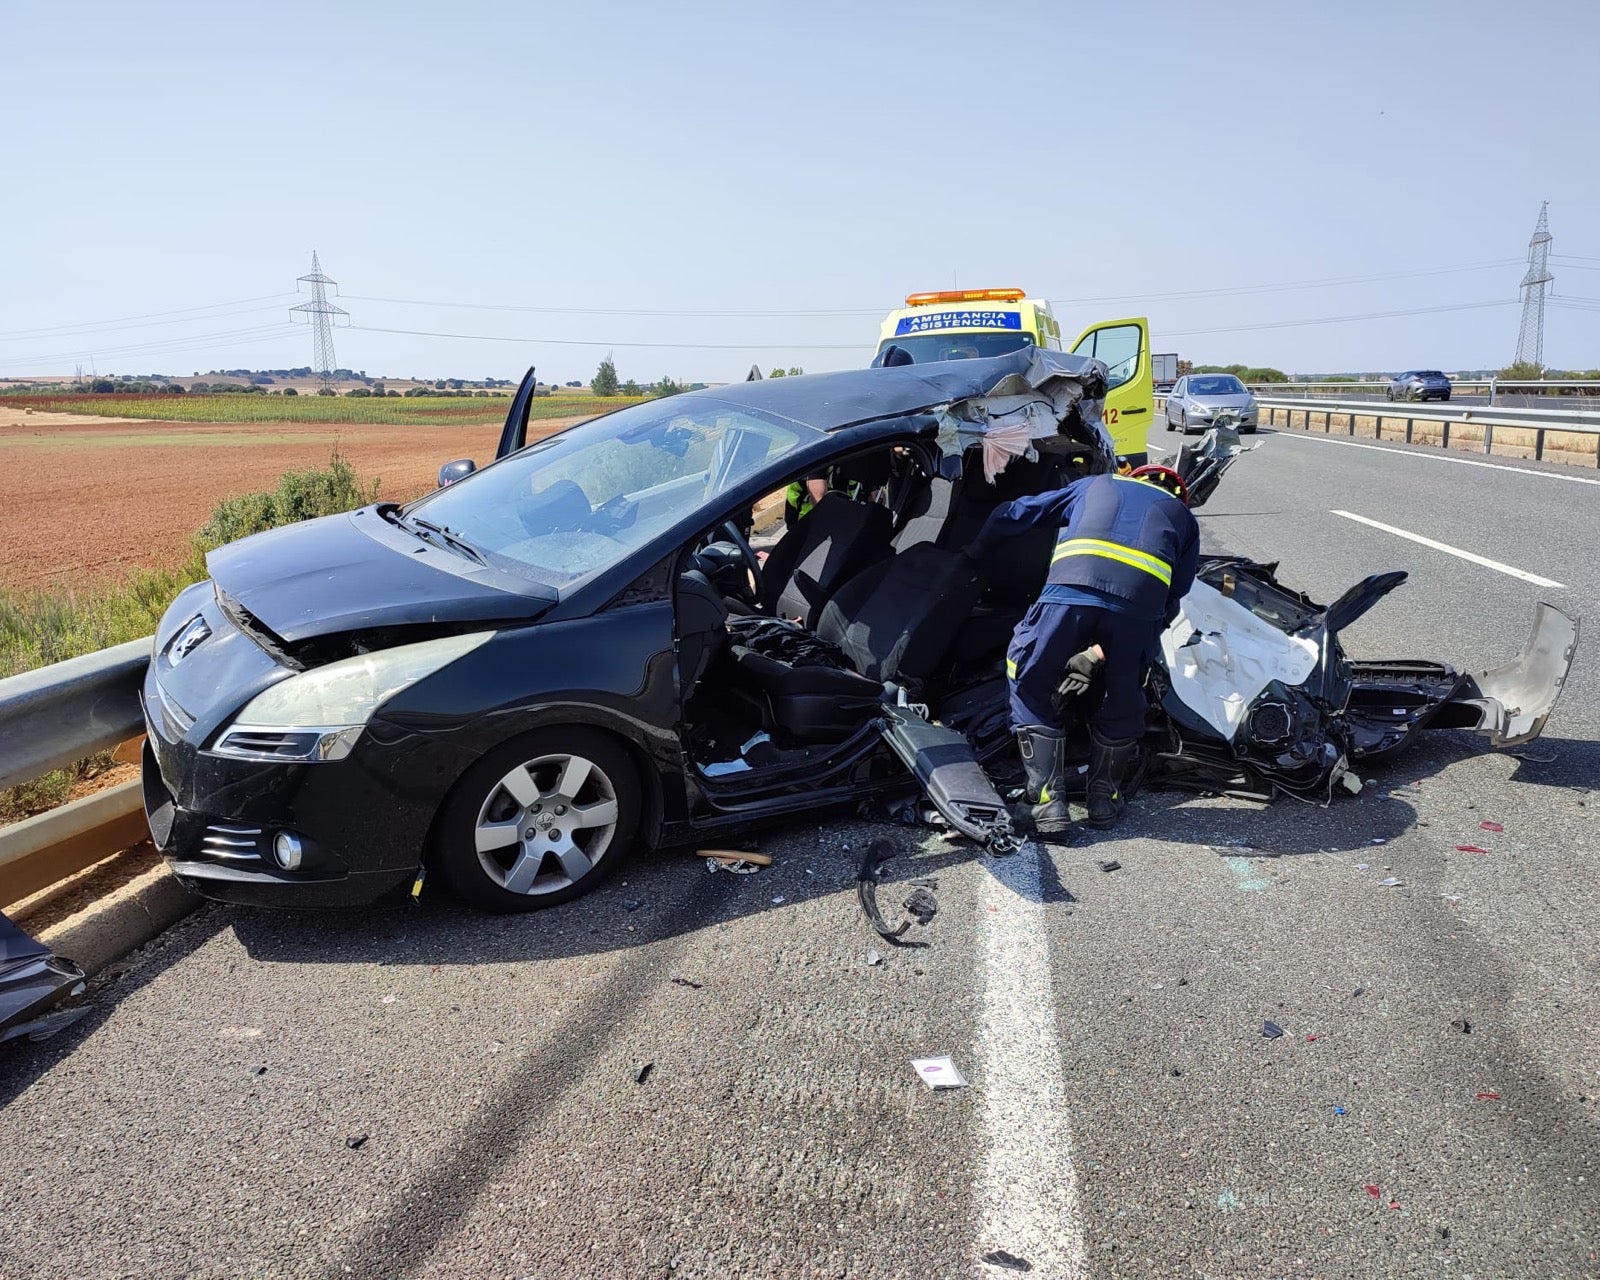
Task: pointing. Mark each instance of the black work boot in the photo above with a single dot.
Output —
(1109, 760)
(1042, 752)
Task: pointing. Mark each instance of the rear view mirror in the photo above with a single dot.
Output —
(457, 470)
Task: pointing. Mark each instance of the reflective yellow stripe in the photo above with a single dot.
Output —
(1115, 551)
(1011, 669)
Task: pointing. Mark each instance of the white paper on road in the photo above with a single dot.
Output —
(938, 1073)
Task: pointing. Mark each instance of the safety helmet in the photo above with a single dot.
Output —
(1163, 478)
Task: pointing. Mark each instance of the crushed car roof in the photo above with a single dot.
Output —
(829, 401)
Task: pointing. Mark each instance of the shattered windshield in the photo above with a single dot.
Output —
(586, 498)
(927, 348)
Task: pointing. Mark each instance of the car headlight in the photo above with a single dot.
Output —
(319, 714)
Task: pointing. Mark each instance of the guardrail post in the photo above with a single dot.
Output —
(1377, 426)
(1491, 392)
(1444, 438)
(1488, 437)
(1352, 414)
(1538, 445)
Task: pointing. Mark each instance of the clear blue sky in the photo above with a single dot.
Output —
(704, 157)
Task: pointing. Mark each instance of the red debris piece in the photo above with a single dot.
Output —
(1491, 826)
(1394, 1204)
(1311, 1039)
(1471, 848)
(1374, 1190)
(1488, 1097)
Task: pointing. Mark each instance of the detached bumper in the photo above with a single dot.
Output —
(1512, 702)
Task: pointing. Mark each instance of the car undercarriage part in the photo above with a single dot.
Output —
(941, 760)
(32, 983)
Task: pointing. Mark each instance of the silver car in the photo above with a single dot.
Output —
(1198, 396)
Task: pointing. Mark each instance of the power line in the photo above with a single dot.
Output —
(63, 329)
(166, 346)
(1370, 315)
(724, 313)
(584, 342)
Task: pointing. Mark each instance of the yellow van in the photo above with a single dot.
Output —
(966, 324)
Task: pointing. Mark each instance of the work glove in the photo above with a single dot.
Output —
(1081, 671)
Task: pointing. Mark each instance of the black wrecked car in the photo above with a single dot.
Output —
(513, 679)
(577, 649)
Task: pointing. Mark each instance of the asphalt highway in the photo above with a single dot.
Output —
(429, 1092)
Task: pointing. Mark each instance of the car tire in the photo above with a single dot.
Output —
(1249, 431)
(1170, 426)
(501, 842)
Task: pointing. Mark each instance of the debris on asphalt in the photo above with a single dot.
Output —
(737, 866)
(1010, 1261)
(868, 876)
(1312, 1038)
(921, 905)
(1374, 1190)
(258, 1071)
(1472, 848)
(356, 1141)
(938, 1073)
(1490, 826)
(1405, 791)
(1379, 840)
(388, 999)
(777, 899)
(873, 958)
(1271, 1030)
(1488, 1097)
(1362, 866)
(1390, 882)
(1339, 1111)
(239, 1033)
(1359, 991)
(1351, 783)
(1112, 865)
(1229, 1201)
(684, 982)
(641, 1073)
(1175, 1072)
(1461, 1025)
(735, 855)
(1537, 757)
(628, 904)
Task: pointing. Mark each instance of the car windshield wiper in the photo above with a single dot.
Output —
(452, 541)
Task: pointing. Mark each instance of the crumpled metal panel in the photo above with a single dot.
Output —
(32, 980)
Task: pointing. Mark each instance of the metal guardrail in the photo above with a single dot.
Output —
(1346, 414)
(1549, 388)
(50, 718)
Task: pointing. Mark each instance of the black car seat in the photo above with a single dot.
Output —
(702, 626)
(835, 541)
(894, 621)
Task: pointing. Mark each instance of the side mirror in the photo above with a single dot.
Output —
(457, 470)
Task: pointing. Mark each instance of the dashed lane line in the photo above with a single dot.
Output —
(1030, 1189)
(1454, 551)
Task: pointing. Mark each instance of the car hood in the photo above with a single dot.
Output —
(357, 572)
(1239, 401)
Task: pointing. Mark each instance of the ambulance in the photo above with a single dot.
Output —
(966, 324)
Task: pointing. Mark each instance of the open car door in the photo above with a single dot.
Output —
(1123, 346)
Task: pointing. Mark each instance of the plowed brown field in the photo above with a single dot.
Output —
(86, 499)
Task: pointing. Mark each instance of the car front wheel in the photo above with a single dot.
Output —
(538, 821)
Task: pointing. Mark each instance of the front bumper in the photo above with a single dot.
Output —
(363, 821)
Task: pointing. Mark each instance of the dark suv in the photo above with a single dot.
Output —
(1419, 384)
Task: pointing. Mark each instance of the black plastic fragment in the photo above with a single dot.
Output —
(356, 1141)
(877, 851)
(1112, 865)
(922, 905)
(642, 1072)
(685, 982)
(1010, 1261)
(1271, 1030)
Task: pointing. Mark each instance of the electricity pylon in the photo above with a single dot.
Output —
(1530, 340)
(321, 313)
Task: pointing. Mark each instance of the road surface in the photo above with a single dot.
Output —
(429, 1092)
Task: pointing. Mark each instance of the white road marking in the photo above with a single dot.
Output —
(1284, 433)
(1030, 1188)
(1454, 551)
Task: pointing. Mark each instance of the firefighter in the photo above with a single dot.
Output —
(1125, 556)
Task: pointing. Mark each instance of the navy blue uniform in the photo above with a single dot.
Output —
(1126, 555)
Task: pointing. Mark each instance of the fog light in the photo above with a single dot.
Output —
(287, 851)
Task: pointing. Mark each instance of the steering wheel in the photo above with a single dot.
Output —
(746, 552)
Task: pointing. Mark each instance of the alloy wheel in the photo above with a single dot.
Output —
(546, 824)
